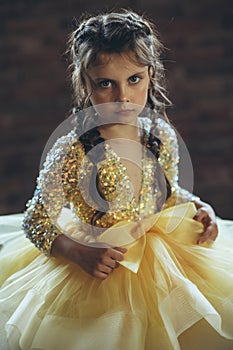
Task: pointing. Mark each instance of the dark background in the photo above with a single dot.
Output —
(36, 95)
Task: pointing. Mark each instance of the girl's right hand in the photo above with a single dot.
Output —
(98, 261)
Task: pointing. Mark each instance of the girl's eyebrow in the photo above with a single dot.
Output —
(131, 75)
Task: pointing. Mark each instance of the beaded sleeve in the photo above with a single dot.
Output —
(66, 171)
(49, 198)
(169, 160)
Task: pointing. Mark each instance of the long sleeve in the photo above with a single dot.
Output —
(50, 196)
(169, 161)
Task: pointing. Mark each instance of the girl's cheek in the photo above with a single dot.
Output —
(98, 98)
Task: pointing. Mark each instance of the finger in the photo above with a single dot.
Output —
(115, 254)
(121, 249)
(210, 234)
(204, 237)
(118, 253)
(100, 275)
(108, 261)
(213, 230)
(200, 216)
(117, 265)
(104, 268)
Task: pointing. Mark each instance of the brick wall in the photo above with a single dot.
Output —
(35, 92)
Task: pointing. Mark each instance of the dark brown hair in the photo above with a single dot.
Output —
(116, 33)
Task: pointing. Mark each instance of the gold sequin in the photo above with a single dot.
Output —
(67, 179)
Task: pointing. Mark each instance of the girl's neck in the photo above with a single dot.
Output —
(121, 131)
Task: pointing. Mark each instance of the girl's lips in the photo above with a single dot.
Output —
(124, 111)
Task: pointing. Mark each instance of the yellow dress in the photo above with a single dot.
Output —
(168, 293)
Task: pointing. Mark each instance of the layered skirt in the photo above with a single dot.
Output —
(168, 293)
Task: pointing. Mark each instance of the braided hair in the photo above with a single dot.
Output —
(117, 33)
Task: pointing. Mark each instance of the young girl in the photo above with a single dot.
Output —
(129, 257)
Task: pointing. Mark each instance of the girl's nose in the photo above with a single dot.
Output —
(122, 94)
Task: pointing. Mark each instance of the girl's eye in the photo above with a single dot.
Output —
(134, 79)
(105, 84)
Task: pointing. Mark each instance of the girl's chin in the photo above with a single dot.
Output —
(124, 118)
(116, 130)
(118, 112)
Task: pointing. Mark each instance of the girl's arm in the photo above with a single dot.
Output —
(169, 160)
(206, 215)
(98, 261)
(40, 220)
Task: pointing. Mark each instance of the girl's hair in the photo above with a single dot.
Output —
(116, 33)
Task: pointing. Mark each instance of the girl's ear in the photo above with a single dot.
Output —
(87, 84)
(150, 73)
(84, 89)
(84, 84)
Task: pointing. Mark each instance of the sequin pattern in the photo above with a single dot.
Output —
(169, 160)
(43, 209)
(68, 173)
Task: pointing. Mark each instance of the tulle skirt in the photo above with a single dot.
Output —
(169, 293)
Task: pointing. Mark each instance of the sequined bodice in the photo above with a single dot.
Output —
(114, 201)
(68, 175)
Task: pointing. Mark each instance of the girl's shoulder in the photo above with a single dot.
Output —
(158, 126)
(59, 148)
(57, 152)
(164, 131)
(169, 149)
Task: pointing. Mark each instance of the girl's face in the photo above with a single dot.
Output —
(118, 78)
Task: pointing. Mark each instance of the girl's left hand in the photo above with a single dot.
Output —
(206, 215)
